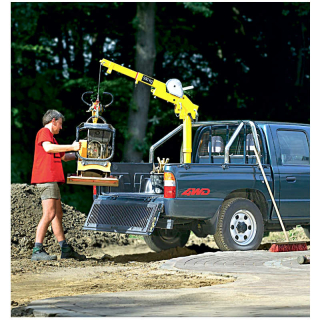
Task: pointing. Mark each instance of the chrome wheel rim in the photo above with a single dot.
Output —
(243, 227)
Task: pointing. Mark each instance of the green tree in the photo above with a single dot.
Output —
(144, 63)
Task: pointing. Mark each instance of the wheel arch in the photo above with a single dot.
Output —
(254, 195)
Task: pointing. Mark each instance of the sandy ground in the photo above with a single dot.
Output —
(111, 269)
(115, 262)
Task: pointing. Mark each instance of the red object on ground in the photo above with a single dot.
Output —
(287, 247)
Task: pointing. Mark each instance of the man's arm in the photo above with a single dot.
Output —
(56, 148)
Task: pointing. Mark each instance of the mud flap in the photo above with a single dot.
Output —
(123, 215)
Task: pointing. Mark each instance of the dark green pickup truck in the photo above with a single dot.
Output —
(221, 193)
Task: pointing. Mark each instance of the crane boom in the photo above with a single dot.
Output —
(184, 108)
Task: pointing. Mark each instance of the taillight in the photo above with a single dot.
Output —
(94, 190)
(169, 185)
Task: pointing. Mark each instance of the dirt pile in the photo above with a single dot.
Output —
(26, 212)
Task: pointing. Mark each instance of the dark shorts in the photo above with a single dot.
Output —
(49, 190)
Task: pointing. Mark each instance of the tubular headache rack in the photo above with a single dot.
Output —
(240, 124)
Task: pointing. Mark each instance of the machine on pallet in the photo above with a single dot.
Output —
(97, 147)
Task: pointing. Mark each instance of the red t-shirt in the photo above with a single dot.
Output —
(47, 167)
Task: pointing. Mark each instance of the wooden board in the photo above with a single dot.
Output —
(93, 181)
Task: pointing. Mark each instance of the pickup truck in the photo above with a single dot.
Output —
(222, 191)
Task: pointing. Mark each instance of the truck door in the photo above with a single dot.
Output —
(293, 164)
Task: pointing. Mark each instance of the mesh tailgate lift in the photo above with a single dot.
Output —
(124, 214)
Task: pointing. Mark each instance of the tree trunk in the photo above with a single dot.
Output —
(144, 63)
(300, 64)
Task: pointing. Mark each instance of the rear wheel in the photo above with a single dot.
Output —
(163, 239)
(240, 225)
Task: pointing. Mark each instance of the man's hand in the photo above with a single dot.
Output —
(76, 146)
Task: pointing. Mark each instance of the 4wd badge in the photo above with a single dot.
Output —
(196, 192)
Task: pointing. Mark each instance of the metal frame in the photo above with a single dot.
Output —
(240, 123)
(97, 126)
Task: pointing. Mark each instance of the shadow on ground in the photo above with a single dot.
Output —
(164, 255)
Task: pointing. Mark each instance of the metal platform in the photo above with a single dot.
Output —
(123, 215)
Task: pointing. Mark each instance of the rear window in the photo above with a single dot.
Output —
(220, 137)
(294, 147)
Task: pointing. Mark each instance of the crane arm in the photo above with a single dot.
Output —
(184, 108)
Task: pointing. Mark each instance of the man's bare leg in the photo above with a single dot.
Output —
(57, 222)
(52, 212)
(48, 214)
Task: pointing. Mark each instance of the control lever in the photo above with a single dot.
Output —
(188, 88)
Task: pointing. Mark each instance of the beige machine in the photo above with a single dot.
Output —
(97, 148)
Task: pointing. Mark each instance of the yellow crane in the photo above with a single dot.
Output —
(170, 91)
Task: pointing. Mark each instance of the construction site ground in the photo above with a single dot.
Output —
(123, 277)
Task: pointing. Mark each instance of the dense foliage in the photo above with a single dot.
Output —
(246, 60)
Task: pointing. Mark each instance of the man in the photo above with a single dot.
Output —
(47, 174)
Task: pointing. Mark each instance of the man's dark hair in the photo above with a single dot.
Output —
(51, 114)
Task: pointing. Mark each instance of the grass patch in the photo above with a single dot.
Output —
(134, 236)
(296, 234)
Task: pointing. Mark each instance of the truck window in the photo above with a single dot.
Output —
(236, 148)
(294, 147)
(204, 145)
(218, 142)
(220, 137)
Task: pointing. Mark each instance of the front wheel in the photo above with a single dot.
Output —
(240, 225)
(163, 239)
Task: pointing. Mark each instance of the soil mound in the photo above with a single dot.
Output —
(26, 212)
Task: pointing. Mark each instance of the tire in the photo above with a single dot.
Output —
(163, 239)
(240, 225)
(306, 230)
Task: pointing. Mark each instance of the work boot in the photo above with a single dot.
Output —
(67, 252)
(39, 254)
